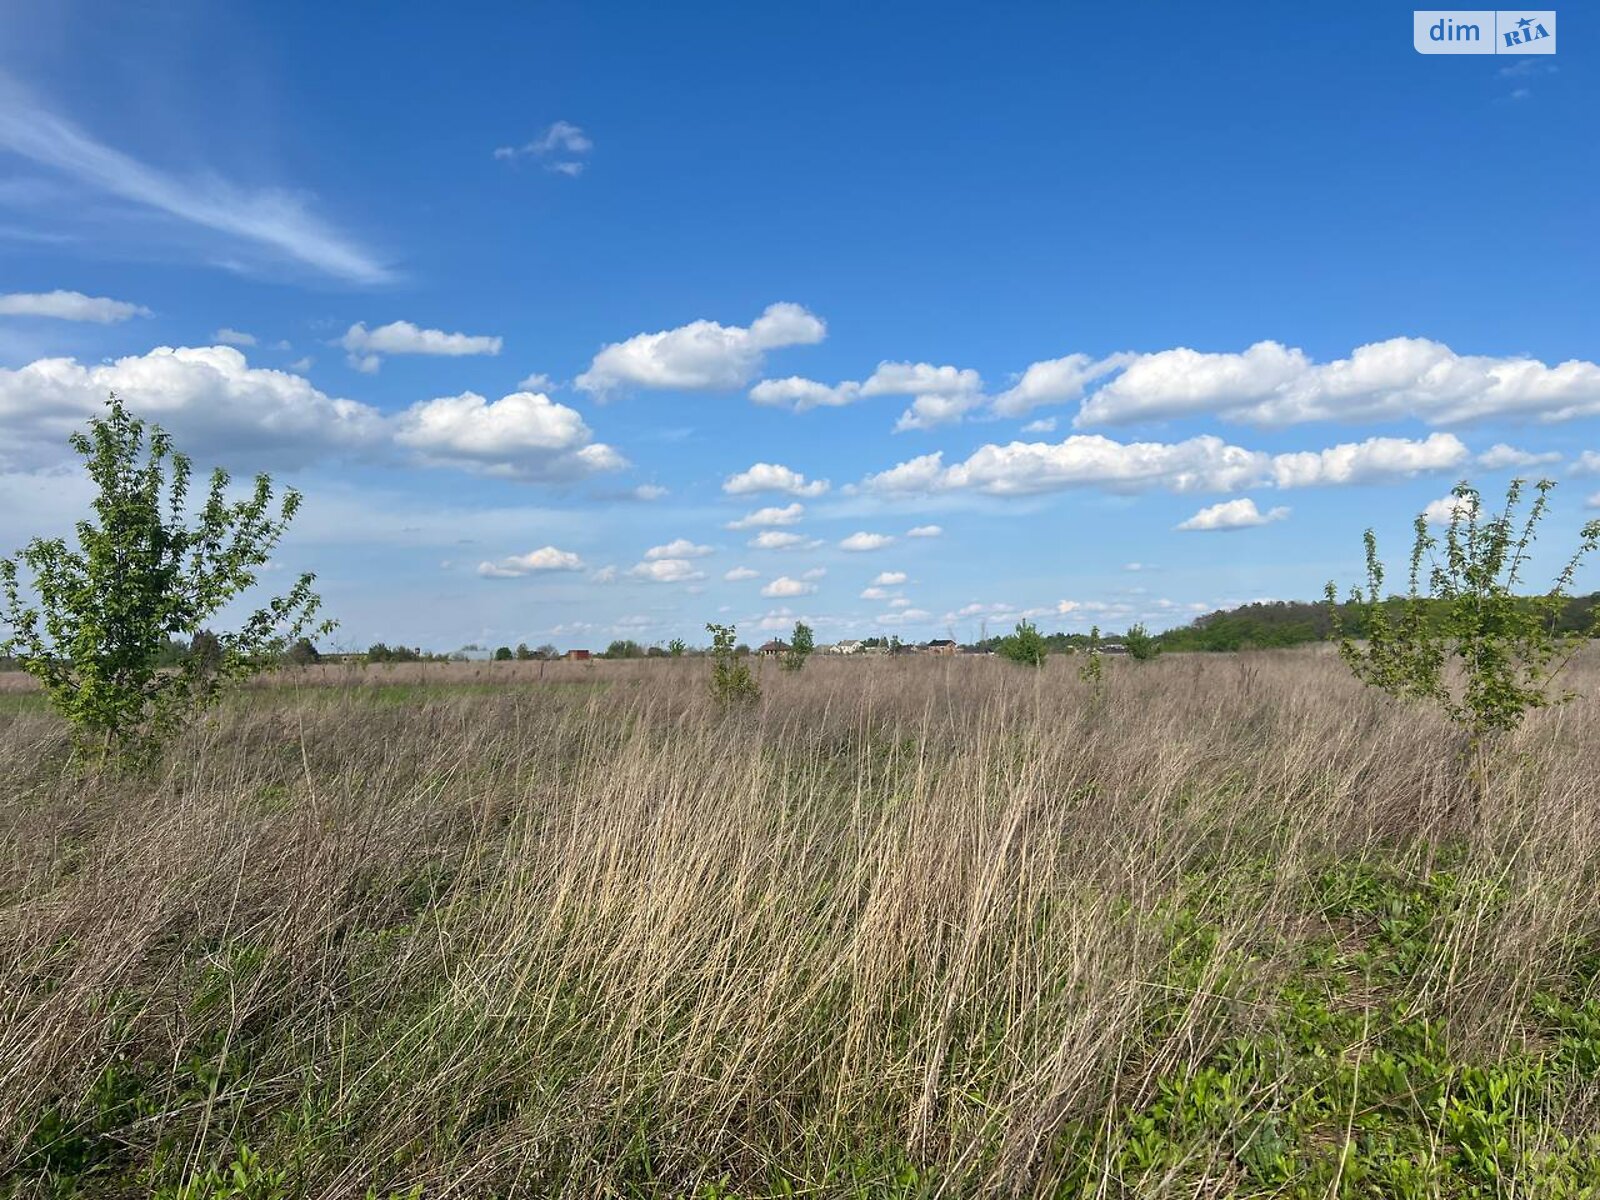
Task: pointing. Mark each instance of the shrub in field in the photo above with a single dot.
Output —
(1024, 646)
(676, 647)
(503, 654)
(303, 653)
(1462, 607)
(144, 570)
(801, 643)
(1092, 668)
(382, 652)
(1141, 646)
(731, 681)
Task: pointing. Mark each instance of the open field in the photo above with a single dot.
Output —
(1228, 925)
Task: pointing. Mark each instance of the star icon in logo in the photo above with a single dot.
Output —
(1525, 22)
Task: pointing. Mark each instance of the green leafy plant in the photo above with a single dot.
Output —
(676, 647)
(503, 654)
(731, 681)
(1092, 668)
(1025, 645)
(801, 643)
(1142, 647)
(146, 569)
(1462, 638)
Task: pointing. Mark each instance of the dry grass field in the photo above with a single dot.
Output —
(1223, 926)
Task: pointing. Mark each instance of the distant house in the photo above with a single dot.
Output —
(773, 649)
(576, 656)
(845, 647)
(1113, 648)
(942, 646)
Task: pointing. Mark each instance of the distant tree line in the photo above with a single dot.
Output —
(1283, 623)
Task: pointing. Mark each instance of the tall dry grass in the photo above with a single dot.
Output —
(586, 933)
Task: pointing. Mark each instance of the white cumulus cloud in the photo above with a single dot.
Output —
(1054, 381)
(739, 574)
(233, 337)
(666, 570)
(366, 347)
(214, 403)
(1274, 385)
(520, 436)
(702, 355)
(864, 541)
(774, 539)
(799, 394)
(69, 306)
(1500, 457)
(1232, 514)
(772, 477)
(889, 578)
(783, 586)
(1205, 463)
(906, 616)
(1200, 464)
(766, 518)
(1442, 510)
(926, 531)
(943, 393)
(1376, 459)
(678, 548)
(546, 558)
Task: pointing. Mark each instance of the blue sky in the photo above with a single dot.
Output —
(553, 313)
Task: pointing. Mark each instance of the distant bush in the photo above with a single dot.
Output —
(380, 652)
(1092, 668)
(503, 654)
(302, 653)
(801, 643)
(731, 681)
(1141, 646)
(623, 648)
(1024, 646)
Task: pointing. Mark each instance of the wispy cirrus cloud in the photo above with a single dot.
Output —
(275, 219)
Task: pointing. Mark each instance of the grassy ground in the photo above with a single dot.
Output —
(1220, 927)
